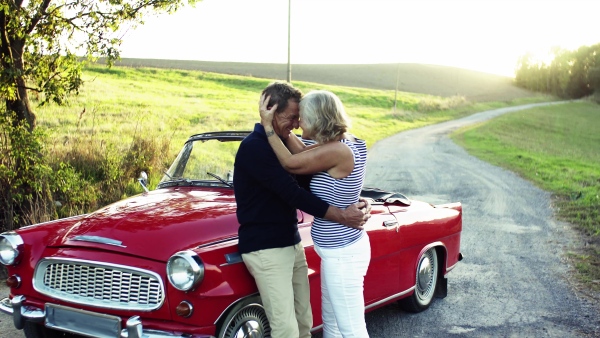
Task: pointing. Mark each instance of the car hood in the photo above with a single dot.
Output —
(157, 224)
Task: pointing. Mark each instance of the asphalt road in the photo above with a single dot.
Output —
(514, 279)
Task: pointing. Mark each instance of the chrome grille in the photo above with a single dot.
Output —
(99, 284)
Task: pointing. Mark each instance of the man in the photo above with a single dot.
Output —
(267, 198)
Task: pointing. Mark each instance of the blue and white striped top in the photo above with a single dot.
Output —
(340, 193)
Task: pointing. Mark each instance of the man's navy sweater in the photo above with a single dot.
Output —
(267, 197)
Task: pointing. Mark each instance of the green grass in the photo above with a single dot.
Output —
(118, 103)
(557, 148)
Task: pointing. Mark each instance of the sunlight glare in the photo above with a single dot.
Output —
(487, 36)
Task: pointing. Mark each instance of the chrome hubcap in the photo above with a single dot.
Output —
(249, 329)
(425, 274)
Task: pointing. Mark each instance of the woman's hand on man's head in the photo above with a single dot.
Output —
(266, 112)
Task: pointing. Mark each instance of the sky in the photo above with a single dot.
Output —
(483, 35)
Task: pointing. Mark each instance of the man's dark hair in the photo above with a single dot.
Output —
(280, 93)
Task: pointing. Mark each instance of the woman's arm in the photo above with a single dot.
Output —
(294, 144)
(334, 157)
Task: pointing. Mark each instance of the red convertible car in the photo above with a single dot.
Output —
(165, 263)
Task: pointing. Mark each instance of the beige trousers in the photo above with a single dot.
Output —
(281, 275)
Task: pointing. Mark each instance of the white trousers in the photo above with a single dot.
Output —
(343, 273)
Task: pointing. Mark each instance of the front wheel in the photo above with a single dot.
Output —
(426, 281)
(246, 320)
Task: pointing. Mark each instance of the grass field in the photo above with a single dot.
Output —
(557, 148)
(119, 103)
(406, 77)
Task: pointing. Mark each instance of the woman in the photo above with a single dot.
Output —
(338, 161)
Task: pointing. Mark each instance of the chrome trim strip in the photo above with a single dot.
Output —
(232, 305)
(390, 298)
(47, 261)
(98, 239)
(316, 328)
(448, 269)
(217, 242)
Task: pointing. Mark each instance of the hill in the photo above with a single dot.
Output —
(414, 78)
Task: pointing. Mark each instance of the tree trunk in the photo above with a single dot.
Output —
(11, 53)
(20, 104)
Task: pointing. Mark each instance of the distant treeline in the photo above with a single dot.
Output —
(571, 74)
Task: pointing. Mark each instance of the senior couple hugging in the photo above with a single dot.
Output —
(267, 193)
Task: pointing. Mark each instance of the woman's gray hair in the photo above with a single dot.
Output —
(324, 115)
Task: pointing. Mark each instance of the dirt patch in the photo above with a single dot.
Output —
(409, 77)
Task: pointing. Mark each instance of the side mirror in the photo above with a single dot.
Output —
(143, 179)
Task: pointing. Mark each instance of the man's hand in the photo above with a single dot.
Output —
(358, 214)
(366, 205)
(354, 216)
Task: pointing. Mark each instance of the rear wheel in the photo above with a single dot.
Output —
(246, 320)
(426, 281)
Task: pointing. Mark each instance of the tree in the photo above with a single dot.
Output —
(40, 40)
(43, 45)
(571, 74)
(560, 69)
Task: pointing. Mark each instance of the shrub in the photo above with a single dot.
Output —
(38, 185)
(73, 195)
(24, 175)
(436, 104)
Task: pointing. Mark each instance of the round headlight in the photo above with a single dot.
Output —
(185, 270)
(11, 245)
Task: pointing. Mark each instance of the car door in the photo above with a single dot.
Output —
(383, 276)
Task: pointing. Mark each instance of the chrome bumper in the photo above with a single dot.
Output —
(133, 326)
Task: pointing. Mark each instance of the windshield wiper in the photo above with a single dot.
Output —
(220, 179)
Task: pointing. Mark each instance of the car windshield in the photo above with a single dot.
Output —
(204, 162)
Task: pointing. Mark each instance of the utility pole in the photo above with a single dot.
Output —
(289, 65)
